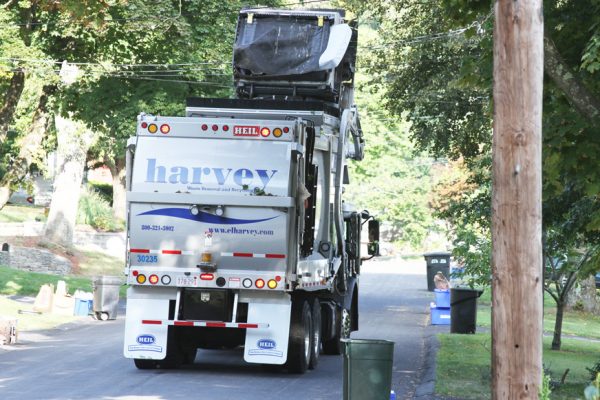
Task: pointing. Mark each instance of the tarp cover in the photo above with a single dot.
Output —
(279, 46)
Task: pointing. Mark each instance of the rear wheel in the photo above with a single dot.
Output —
(301, 337)
(316, 336)
(334, 345)
(175, 353)
(190, 355)
(145, 364)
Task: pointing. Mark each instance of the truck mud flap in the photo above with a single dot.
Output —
(145, 341)
(268, 346)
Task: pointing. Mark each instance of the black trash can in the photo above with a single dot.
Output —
(463, 310)
(436, 262)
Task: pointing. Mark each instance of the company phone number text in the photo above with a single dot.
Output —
(163, 228)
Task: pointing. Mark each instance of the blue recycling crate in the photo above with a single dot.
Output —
(82, 307)
(440, 316)
(442, 298)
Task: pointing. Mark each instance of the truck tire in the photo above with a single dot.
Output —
(175, 354)
(189, 355)
(301, 337)
(316, 336)
(144, 364)
(334, 345)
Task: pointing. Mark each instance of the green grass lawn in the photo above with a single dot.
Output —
(94, 263)
(21, 213)
(463, 366)
(25, 283)
(575, 323)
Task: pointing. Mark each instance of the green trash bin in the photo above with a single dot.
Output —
(367, 369)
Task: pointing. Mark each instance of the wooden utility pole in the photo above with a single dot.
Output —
(516, 200)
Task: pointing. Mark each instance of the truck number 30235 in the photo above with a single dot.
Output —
(142, 258)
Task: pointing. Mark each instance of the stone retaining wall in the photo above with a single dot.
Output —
(110, 242)
(36, 260)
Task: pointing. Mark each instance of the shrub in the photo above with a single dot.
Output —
(545, 390)
(594, 371)
(95, 211)
(105, 190)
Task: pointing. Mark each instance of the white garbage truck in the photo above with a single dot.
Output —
(237, 229)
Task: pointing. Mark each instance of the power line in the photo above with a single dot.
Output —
(215, 84)
(435, 36)
(48, 61)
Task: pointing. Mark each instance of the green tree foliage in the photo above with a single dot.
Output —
(392, 182)
(130, 56)
(438, 72)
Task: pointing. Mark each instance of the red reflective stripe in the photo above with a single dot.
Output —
(242, 254)
(215, 325)
(151, 322)
(171, 251)
(275, 255)
(139, 251)
(183, 323)
(244, 326)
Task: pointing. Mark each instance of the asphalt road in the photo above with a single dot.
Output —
(85, 361)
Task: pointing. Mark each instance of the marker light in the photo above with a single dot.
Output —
(277, 132)
(225, 128)
(141, 278)
(144, 125)
(206, 257)
(247, 283)
(207, 277)
(259, 283)
(286, 129)
(272, 284)
(152, 128)
(153, 279)
(166, 279)
(265, 132)
(215, 128)
(135, 273)
(165, 128)
(204, 127)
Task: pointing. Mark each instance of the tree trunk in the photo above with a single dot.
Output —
(11, 99)
(117, 170)
(563, 76)
(556, 339)
(74, 140)
(29, 146)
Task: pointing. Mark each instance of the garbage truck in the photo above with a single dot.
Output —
(238, 233)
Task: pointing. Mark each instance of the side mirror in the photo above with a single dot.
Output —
(373, 245)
